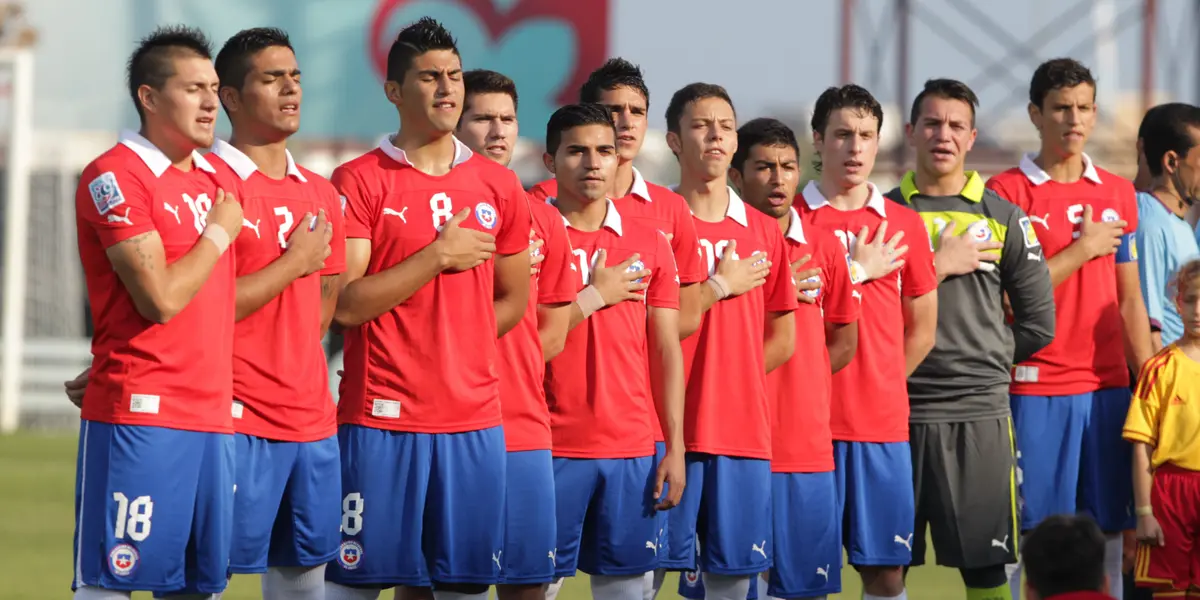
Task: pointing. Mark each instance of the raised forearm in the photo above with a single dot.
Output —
(780, 340)
(1065, 263)
(257, 289)
(369, 297)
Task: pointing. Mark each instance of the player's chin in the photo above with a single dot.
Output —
(443, 121)
(202, 137)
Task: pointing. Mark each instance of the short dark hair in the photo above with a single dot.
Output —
(693, 92)
(150, 64)
(1056, 74)
(949, 89)
(423, 36)
(762, 132)
(1065, 553)
(614, 73)
(572, 116)
(483, 81)
(1168, 127)
(233, 61)
(848, 96)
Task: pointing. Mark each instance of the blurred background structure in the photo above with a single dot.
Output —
(63, 97)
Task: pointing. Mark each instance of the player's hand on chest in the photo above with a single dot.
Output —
(1060, 221)
(746, 250)
(179, 217)
(417, 217)
(268, 223)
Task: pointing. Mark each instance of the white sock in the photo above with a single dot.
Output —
(1014, 579)
(762, 582)
(459, 595)
(551, 590)
(625, 587)
(1114, 554)
(653, 583)
(96, 593)
(294, 583)
(726, 587)
(903, 596)
(337, 591)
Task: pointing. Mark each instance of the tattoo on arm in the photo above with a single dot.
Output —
(144, 259)
(328, 286)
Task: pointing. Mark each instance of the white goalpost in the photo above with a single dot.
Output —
(16, 137)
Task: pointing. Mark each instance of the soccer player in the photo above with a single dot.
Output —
(1069, 401)
(960, 430)
(489, 127)
(727, 427)
(288, 265)
(1163, 426)
(899, 318)
(806, 539)
(619, 365)
(437, 267)
(154, 484)
(1165, 240)
(1066, 556)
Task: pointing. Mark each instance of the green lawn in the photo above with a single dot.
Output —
(36, 523)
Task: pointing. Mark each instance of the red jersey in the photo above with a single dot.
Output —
(179, 374)
(1088, 351)
(727, 409)
(801, 389)
(280, 378)
(598, 388)
(872, 391)
(522, 369)
(428, 364)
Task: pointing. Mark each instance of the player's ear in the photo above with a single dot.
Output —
(230, 98)
(548, 160)
(391, 89)
(674, 143)
(148, 99)
(735, 177)
(908, 134)
(818, 142)
(971, 140)
(1035, 115)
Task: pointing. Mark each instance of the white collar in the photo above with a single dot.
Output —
(153, 157)
(736, 209)
(639, 188)
(1038, 176)
(795, 230)
(612, 218)
(244, 166)
(815, 199)
(461, 152)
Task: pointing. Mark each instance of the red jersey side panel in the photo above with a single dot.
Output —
(1088, 352)
(427, 365)
(280, 377)
(727, 409)
(598, 388)
(179, 374)
(872, 391)
(522, 370)
(801, 389)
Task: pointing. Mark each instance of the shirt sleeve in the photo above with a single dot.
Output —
(918, 276)
(837, 291)
(1026, 279)
(685, 243)
(1155, 272)
(541, 191)
(663, 291)
(996, 184)
(115, 204)
(1141, 423)
(336, 262)
(779, 291)
(558, 278)
(358, 206)
(514, 224)
(1128, 250)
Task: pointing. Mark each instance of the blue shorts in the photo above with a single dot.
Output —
(287, 508)
(420, 508)
(153, 508)
(875, 499)
(605, 512)
(724, 517)
(661, 517)
(1071, 457)
(807, 537)
(529, 528)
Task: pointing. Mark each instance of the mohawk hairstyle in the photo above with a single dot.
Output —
(762, 132)
(614, 73)
(693, 92)
(572, 116)
(233, 61)
(150, 64)
(423, 36)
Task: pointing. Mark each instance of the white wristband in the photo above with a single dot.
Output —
(217, 235)
(589, 300)
(719, 286)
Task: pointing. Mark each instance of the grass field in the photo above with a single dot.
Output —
(37, 474)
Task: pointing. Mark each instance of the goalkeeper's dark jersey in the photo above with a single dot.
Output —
(967, 374)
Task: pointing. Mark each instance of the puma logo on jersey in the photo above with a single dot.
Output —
(906, 542)
(824, 572)
(652, 546)
(1003, 545)
(760, 548)
(1042, 219)
(496, 559)
(554, 559)
(115, 218)
(174, 210)
(1034, 257)
(388, 211)
(246, 223)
